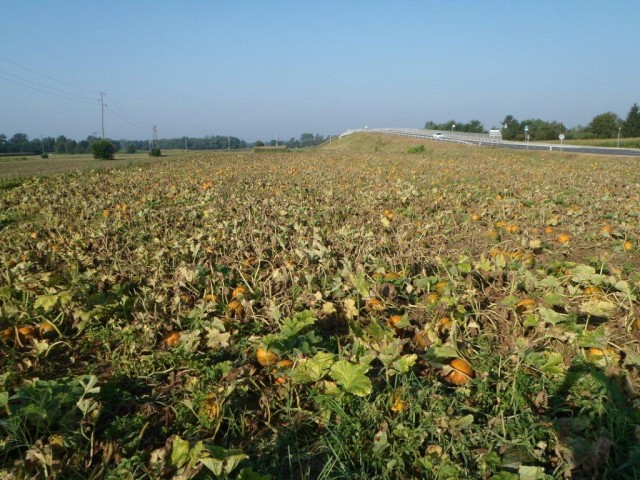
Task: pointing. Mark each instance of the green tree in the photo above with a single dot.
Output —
(512, 129)
(131, 148)
(631, 126)
(155, 152)
(103, 149)
(605, 125)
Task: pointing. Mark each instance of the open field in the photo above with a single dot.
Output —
(21, 166)
(347, 312)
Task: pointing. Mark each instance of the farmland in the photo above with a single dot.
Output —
(16, 167)
(354, 311)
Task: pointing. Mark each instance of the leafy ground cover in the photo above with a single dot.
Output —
(451, 313)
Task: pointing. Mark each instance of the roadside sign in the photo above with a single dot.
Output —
(561, 136)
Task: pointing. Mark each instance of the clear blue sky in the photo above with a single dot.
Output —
(255, 69)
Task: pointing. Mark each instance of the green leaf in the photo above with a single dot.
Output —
(596, 338)
(531, 473)
(549, 282)
(462, 422)
(222, 461)
(583, 273)
(404, 363)
(179, 452)
(293, 326)
(351, 377)
(598, 308)
(46, 302)
(552, 299)
(504, 476)
(440, 353)
(249, 474)
(312, 369)
(551, 316)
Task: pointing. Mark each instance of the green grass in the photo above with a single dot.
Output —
(17, 167)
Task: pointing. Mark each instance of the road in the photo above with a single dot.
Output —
(483, 139)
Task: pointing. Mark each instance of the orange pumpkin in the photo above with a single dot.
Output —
(266, 358)
(563, 238)
(235, 307)
(461, 372)
(374, 304)
(172, 339)
(238, 292)
(525, 305)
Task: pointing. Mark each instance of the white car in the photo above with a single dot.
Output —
(438, 135)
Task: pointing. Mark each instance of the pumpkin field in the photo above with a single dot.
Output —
(332, 313)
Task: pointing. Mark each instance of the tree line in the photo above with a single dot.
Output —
(604, 125)
(20, 143)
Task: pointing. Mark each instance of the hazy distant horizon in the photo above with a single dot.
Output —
(255, 71)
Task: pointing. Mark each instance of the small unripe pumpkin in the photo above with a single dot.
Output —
(172, 339)
(266, 358)
(563, 238)
(433, 298)
(591, 290)
(27, 332)
(236, 307)
(394, 320)
(525, 305)
(238, 292)
(47, 329)
(375, 304)
(209, 407)
(606, 228)
(461, 372)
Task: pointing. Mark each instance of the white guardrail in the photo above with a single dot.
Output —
(494, 140)
(467, 138)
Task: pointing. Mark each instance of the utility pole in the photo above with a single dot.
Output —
(186, 146)
(155, 136)
(228, 142)
(102, 111)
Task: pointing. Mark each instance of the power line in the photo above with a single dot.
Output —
(115, 112)
(119, 112)
(67, 97)
(46, 76)
(46, 86)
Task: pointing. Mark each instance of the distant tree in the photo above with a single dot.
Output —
(605, 125)
(131, 148)
(259, 143)
(631, 126)
(307, 140)
(474, 126)
(512, 129)
(61, 142)
(103, 149)
(543, 130)
(82, 146)
(70, 146)
(155, 152)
